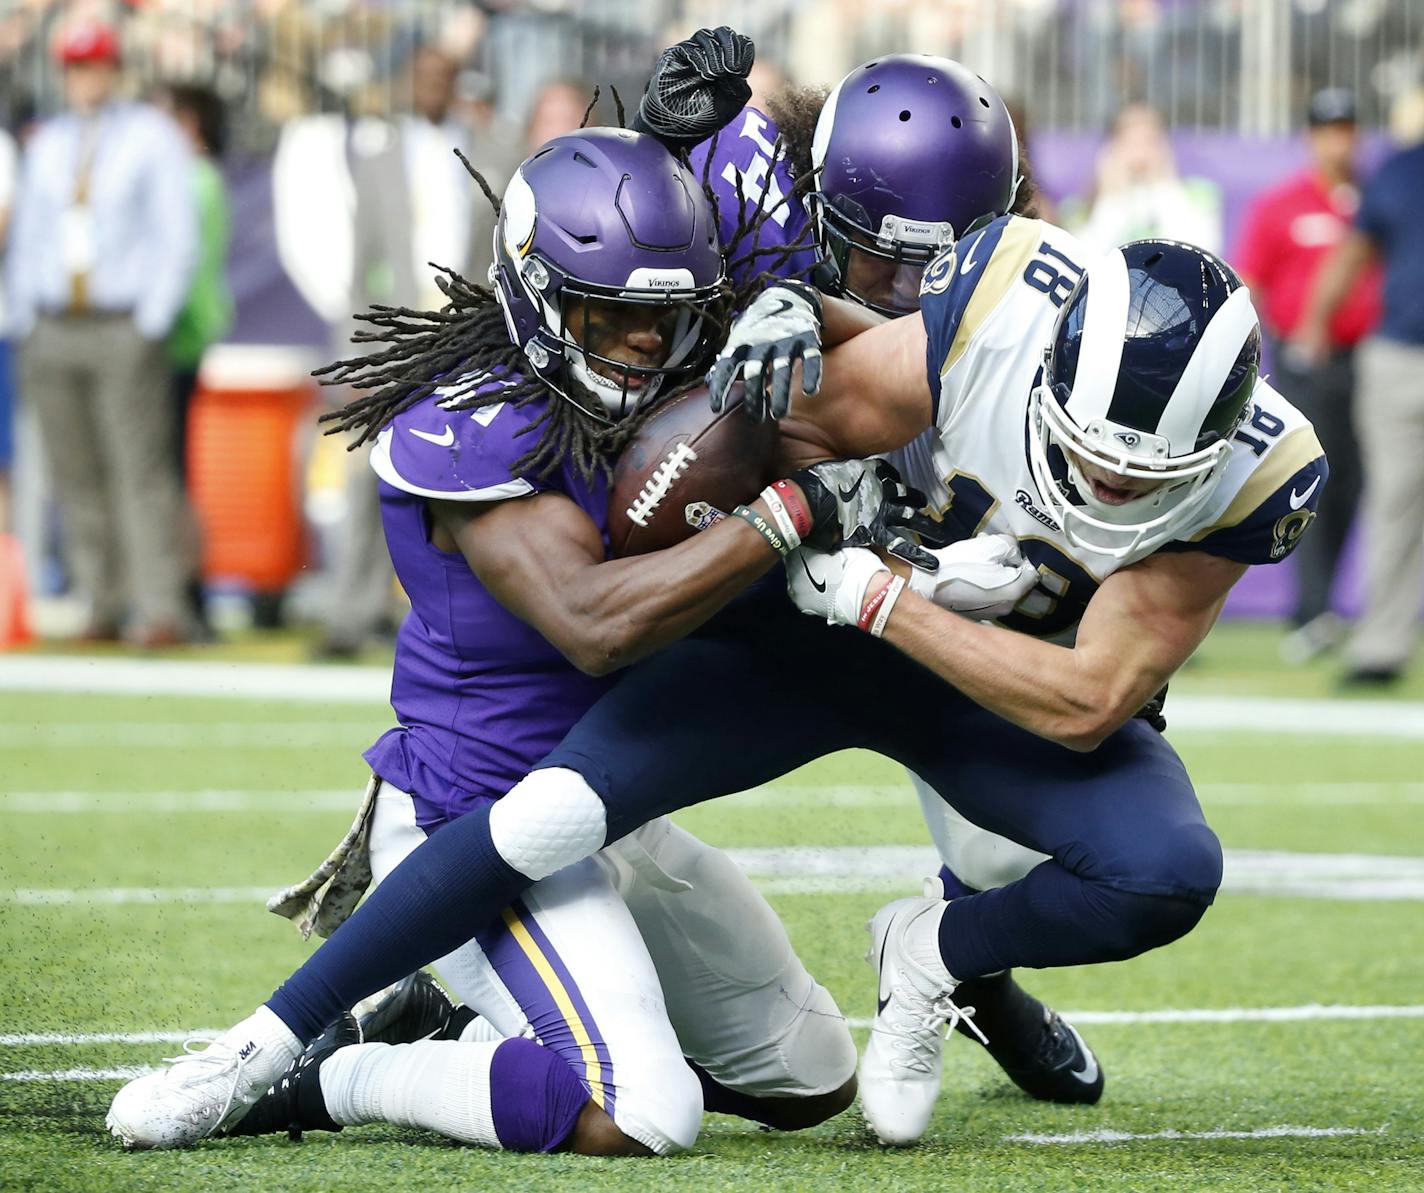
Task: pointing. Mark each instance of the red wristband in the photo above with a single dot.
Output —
(872, 606)
(795, 506)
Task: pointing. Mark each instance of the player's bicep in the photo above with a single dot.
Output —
(527, 552)
(874, 396)
(1145, 621)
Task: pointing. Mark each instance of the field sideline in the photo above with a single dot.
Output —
(1279, 1046)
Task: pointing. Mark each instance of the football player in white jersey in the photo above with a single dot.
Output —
(1105, 415)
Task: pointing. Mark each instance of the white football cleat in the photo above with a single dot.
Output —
(201, 1091)
(902, 1068)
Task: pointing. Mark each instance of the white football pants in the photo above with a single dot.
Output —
(656, 949)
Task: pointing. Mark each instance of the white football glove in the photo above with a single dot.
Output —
(983, 577)
(781, 327)
(833, 584)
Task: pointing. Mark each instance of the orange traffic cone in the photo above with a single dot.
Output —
(15, 627)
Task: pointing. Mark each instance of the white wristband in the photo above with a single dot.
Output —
(784, 521)
(892, 594)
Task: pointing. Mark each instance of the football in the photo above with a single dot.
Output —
(684, 466)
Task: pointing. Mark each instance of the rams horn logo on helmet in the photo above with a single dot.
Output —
(1128, 438)
(938, 273)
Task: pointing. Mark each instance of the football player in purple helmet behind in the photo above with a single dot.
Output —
(614, 1005)
(905, 156)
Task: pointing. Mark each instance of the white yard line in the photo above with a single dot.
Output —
(113, 896)
(1310, 1013)
(35, 1039)
(51, 803)
(184, 735)
(843, 869)
(371, 686)
(1110, 1136)
(794, 795)
(122, 1073)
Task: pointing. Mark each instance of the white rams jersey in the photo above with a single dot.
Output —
(989, 306)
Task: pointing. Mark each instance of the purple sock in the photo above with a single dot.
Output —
(535, 1096)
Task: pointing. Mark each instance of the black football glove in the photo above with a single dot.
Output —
(781, 327)
(864, 503)
(697, 87)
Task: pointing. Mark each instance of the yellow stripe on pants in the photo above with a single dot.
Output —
(593, 1067)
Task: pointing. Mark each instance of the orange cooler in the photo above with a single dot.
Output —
(250, 418)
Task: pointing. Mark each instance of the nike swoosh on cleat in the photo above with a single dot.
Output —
(847, 494)
(1088, 1074)
(444, 439)
(818, 585)
(881, 1002)
(1299, 499)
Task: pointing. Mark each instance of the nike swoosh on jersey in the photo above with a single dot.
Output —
(969, 261)
(444, 439)
(1299, 499)
(818, 585)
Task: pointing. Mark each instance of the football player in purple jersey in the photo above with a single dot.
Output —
(214, 1087)
(623, 996)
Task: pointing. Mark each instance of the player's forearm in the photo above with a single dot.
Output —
(625, 609)
(842, 320)
(1049, 690)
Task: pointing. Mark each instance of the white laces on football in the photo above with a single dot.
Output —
(204, 1062)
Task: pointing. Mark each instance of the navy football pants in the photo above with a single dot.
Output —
(761, 690)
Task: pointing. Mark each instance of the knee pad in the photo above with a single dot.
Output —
(820, 1053)
(550, 819)
(669, 1120)
(1185, 864)
(1142, 922)
(535, 1096)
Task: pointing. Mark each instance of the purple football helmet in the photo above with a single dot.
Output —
(608, 268)
(910, 153)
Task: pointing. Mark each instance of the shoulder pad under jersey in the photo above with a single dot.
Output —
(457, 455)
(963, 285)
(1285, 472)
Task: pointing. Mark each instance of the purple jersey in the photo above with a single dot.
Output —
(480, 695)
(746, 150)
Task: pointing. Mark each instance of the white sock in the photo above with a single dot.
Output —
(480, 1030)
(437, 1085)
(922, 945)
(266, 1044)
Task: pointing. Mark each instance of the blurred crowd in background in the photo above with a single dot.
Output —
(196, 195)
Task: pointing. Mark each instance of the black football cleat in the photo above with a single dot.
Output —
(294, 1103)
(1041, 1053)
(415, 1008)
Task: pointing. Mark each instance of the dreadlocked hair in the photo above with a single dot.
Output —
(796, 111)
(465, 349)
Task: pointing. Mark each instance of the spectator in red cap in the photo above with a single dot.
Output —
(101, 255)
(1290, 230)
